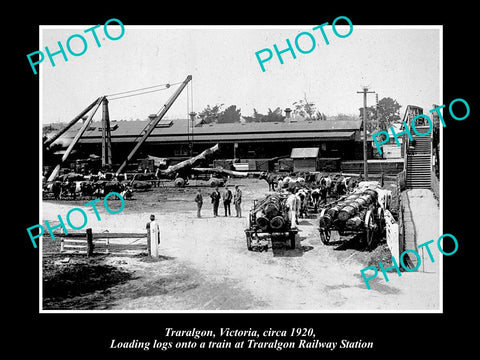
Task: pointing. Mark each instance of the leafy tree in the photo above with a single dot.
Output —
(307, 109)
(229, 115)
(257, 116)
(388, 112)
(273, 116)
(372, 123)
(211, 114)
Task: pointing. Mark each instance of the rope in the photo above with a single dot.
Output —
(145, 88)
(145, 92)
(158, 112)
(115, 95)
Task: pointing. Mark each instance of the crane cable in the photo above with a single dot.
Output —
(190, 108)
(115, 95)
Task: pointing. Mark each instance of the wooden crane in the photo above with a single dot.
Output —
(106, 134)
(153, 123)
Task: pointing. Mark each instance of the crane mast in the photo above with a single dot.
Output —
(153, 123)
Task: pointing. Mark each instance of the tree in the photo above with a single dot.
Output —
(211, 114)
(372, 123)
(388, 112)
(229, 115)
(307, 109)
(272, 116)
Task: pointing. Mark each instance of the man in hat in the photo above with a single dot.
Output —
(237, 200)
(215, 201)
(153, 237)
(199, 201)
(291, 203)
(227, 199)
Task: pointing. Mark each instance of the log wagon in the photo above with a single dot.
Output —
(268, 219)
(357, 213)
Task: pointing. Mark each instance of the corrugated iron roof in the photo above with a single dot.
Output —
(125, 131)
(240, 137)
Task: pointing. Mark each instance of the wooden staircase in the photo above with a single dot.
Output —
(419, 161)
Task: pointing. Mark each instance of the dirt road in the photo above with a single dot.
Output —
(205, 265)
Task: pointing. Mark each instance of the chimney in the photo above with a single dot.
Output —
(287, 112)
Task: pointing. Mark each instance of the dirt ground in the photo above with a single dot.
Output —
(205, 265)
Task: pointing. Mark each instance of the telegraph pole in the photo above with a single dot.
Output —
(365, 163)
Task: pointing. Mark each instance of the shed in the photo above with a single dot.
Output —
(305, 159)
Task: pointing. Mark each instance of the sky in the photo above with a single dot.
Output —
(403, 63)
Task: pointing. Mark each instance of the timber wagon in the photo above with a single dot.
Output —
(354, 214)
(268, 220)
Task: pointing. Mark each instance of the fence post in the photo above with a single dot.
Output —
(89, 242)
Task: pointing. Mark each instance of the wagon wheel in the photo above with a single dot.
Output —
(249, 240)
(381, 221)
(370, 228)
(325, 235)
(291, 237)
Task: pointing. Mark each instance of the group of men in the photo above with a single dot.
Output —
(227, 197)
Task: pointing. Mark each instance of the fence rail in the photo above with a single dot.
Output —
(88, 242)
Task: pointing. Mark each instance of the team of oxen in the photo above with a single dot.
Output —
(75, 186)
(312, 189)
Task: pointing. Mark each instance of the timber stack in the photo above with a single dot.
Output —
(349, 213)
(271, 213)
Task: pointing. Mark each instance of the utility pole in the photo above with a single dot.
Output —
(365, 163)
(106, 136)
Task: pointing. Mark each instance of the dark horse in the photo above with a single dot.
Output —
(271, 179)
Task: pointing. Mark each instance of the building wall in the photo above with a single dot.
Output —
(305, 164)
(346, 150)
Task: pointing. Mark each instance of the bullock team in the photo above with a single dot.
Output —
(310, 191)
(75, 186)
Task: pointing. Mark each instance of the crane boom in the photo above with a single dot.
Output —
(153, 123)
(79, 134)
(71, 123)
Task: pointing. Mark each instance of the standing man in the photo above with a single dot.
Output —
(153, 236)
(199, 201)
(227, 199)
(292, 208)
(215, 201)
(238, 201)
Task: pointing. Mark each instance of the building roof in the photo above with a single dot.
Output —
(304, 153)
(177, 130)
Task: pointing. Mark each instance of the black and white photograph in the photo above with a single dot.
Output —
(241, 177)
(260, 184)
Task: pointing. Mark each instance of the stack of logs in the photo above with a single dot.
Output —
(271, 213)
(349, 213)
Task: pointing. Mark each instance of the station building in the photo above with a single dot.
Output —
(177, 140)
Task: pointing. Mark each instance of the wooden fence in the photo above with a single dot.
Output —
(101, 243)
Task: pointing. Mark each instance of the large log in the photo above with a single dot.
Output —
(348, 211)
(355, 222)
(271, 213)
(351, 208)
(262, 222)
(277, 223)
(189, 163)
(271, 209)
